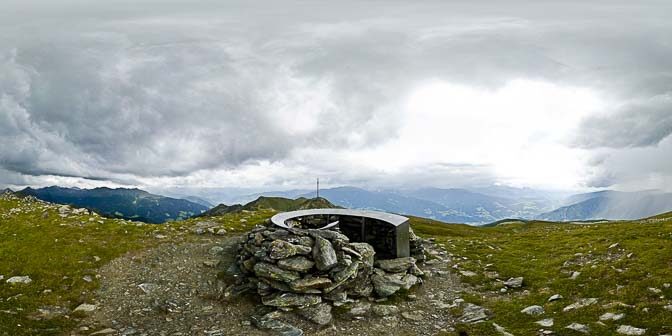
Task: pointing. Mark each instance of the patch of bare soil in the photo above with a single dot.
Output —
(174, 290)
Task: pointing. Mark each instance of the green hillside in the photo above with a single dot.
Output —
(624, 265)
(270, 203)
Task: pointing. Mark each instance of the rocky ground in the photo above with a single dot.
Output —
(173, 290)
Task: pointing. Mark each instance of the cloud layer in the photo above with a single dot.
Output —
(370, 93)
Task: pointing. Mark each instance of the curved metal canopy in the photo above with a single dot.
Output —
(281, 218)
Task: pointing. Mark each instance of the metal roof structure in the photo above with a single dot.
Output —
(281, 218)
(387, 233)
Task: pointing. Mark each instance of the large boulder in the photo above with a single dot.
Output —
(324, 254)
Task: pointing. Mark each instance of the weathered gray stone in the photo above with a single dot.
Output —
(473, 313)
(346, 273)
(409, 281)
(19, 280)
(329, 235)
(359, 309)
(580, 304)
(280, 249)
(514, 282)
(324, 254)
(273, 272)
(275, 326)
(555, 297)
(301, 285)
(582, 328)
(366, 251)
(545, 322)
(533, 310)
(396, 265)
(630, 330)
(386, 284)
(611, 316)
(319, 313)
(85, 308)
(292, 300)
(298, 263)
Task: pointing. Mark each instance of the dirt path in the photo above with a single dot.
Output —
(173, 290)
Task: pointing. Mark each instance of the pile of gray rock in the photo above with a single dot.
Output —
(309, 271)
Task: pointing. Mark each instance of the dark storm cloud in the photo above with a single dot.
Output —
(638, 124)
(139, 89)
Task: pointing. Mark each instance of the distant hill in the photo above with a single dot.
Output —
(612, 205)
(275, 203)
(120, 203)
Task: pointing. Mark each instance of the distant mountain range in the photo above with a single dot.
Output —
(448, 205)
(475, 206)
(611, 205)
(275, 203)
(132, 204)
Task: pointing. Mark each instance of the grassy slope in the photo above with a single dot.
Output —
(538, 251)
(58, 252)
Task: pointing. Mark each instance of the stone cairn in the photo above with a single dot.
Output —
(309, 271)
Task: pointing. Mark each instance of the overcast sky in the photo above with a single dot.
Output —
(271, 94)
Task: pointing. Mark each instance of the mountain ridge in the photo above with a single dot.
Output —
(126, 203)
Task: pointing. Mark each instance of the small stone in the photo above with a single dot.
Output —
(514, 282)
(555, 297)
(575, 275)
(216, 250)
(582, 328)
(86, 308)
(468, 273)
(580, 304)
(385, 310)
(107, 331)
(533, 310)
(19, 280)
(473, 313)
(360, 309)
(87, 278)
(611, 316)
(614, 245)
(318, 314)
(545, 322)
(630, 330)
(147, 288)
(413, 316)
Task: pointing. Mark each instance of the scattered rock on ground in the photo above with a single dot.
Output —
(533, 310)
(582, 328)
(630, 330)
(514, 282)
